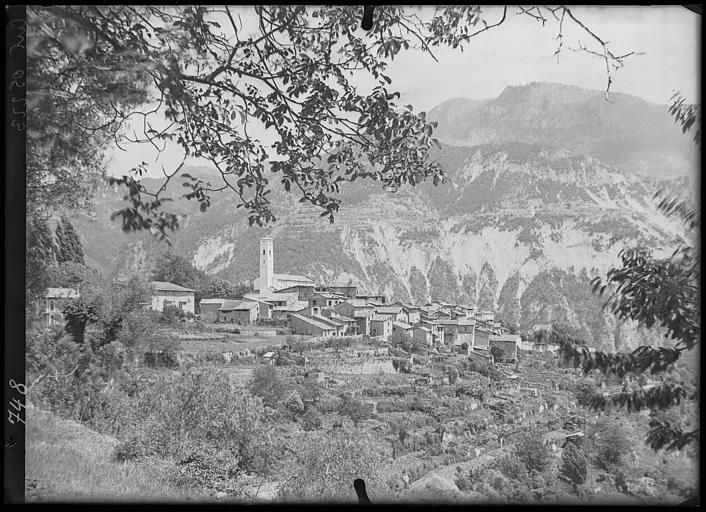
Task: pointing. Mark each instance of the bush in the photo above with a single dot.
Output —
(130, 449)
(294, 404)
(574, 467)
(610, 443)
(161, 350)
(171, 315)
(324, 463)
(584, 391)
(267, 384)
(497, 353)
(462, 480)
(511, 467)
(355, 409)
(533, 453)
(198, 418)
(311, 419)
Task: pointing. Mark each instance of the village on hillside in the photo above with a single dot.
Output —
(319, 312)
(445, 392)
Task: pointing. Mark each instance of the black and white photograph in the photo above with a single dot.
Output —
(359, 254)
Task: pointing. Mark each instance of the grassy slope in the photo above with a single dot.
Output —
(65, 461)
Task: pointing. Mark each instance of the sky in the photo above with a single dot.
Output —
(522, 51)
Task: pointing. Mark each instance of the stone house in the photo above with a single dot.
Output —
(351, 307)
(54, 301)
(359, 310)
(413, 313)
(169, 294)
(320, 300)
(380, 326)
(402, 327)
(486, 316)
(265, 306)
(508, 343)
(466, 331)
(208, 309)
(301, 324)
(436, 331)
(380, 299)
(303, 291)
(339, 327)
(481, 358)
(422, 334)
(350, 323)
(281, 312)
(481, 337)
(242, 312)
(396, 313)
(349, 291)
(450, 329)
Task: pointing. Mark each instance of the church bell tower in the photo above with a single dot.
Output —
(266, 264)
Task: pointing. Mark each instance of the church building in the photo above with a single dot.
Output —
(269, 282)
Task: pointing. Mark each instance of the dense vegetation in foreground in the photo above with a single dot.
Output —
(440, 429)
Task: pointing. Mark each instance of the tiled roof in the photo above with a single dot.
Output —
(311, 321)
(164, 286)
(294, 306)
(238, 305)
(293, 287)
(343, 318)
(402, 325)
(359, 303)
(258, 298)
(292, 277)
(379, 318)
(212, 301)
(506, 337)
(329, 321)
(421, 327)
(62, 293)
(388, 309)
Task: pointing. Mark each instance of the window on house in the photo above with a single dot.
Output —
(263, 252)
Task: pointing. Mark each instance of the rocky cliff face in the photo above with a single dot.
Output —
(516, 227)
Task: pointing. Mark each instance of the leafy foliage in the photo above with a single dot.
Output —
(533, 453)
(204, 423)
(174, 268)
(610, 443)
(574, 464)
(355, 409)
(40, 255)
(267, 384)
(323, 463)
(311, 419)
(686, 115)
(655, 292)
(210, 79)
(75, 90)
(78, 313)
(497, 353)
(406, 342)
(68, 243)
(294, 403)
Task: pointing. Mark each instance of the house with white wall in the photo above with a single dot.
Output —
(170, 294)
